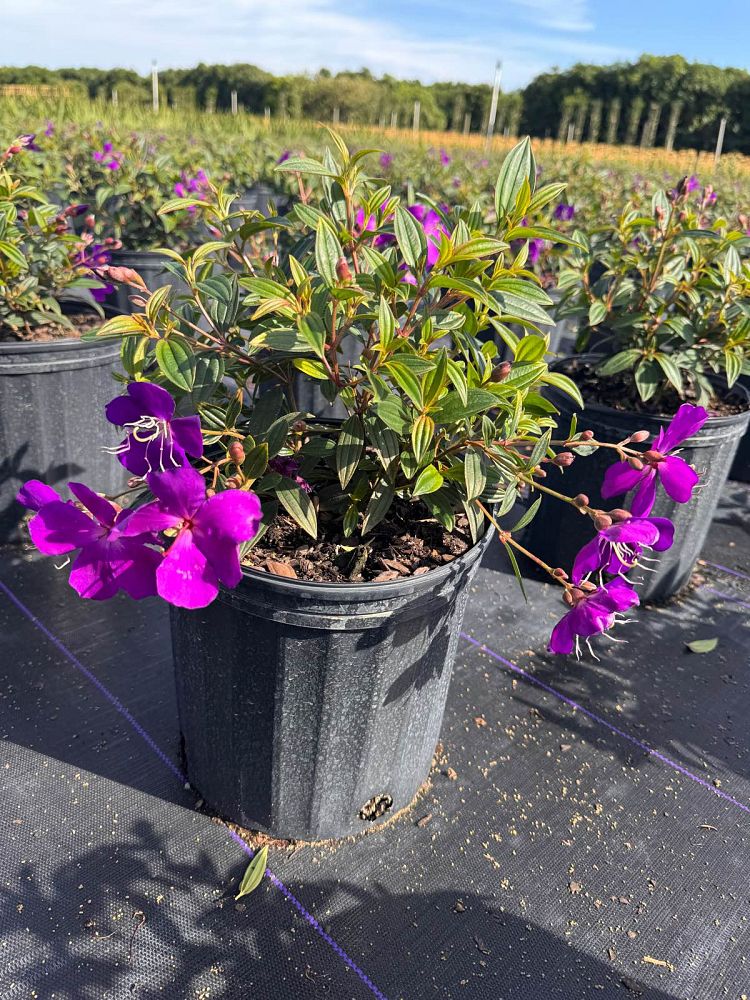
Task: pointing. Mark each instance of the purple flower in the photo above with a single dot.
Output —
(27, 142)
(445, 158)
(433, 227)
(180, 190)
(692, 183)
(289, 467)
(284, 156)
(110, 559)
(618, 548)
(105, 155)
(50, 129)
(535, 250)
(204, 552)
(563, 212)
(592, 612)
(677, 477)
(156, 439)
(386, 159)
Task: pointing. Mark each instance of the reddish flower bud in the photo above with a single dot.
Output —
(210, 492)
(581, 500)
(569, 598)
(564, 459)
(635, 463)
(638, 436)
(618, 514)
(653, 456)
(602, 521)
(233, 483)
(127, 276)
(236, 452)
(90, 221)
(559, 574)
(540, 473)
(587, 586)
(342, 271)
(586, 435)
(501, 372)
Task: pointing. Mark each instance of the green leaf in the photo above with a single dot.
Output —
(475, 518)
(527, 516)
(378, 507)
(531, 348)
(120, 326)
(254, 873)
(410, 236)
(671, 370)
(315, 369)
(349, 449)
(517, 166)
(13, 254)
(702, 645)
(647, 379)
(474, 476)
(619, 362)
(386, 322)
(256, 461)
(394, 414)
(304, 165)
(451, 407)
(429, 480)
(516, 570)
(176, 362)
(327, 251)
(313, 330)
(564, 384)
(406, 380)
(298, 505)
(597, 313)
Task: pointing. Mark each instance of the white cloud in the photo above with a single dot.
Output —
(301, 35)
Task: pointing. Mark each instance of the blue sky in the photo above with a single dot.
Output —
(428, 39)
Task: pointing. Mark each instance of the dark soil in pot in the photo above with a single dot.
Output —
(310, 711)
(558, 531)
(52, 425)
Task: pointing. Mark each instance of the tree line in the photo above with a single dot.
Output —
(656, 101)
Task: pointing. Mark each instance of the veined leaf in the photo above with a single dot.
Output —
(254, 873)
(409, 235)
(298, 505)
(429, 480)
(177, 362)
(349, 449)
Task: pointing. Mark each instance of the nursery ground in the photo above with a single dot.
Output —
(586, 834)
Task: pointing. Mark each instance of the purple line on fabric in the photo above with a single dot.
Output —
(726, 569)
(116, 703)
(312, 920)
(727, 597)
(604, 722)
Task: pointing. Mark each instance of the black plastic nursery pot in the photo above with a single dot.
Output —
(558, 531)
(151, 267)
(52, 423)
(311, 711)
(741, 466)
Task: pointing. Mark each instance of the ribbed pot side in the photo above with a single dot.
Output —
(300, 703)
(52, 423)
(558, 531)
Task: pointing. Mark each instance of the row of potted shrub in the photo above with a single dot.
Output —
(317, 567)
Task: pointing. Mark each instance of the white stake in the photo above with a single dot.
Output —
(493, 105)
(394, 119)
(154, 86)
(114, 97)
(467, 123)
(336, 114)
(720, 140)
(415, 123)
(234, 102)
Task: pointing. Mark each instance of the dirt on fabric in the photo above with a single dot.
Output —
(402, 545)
(80, 323)
(619, 392)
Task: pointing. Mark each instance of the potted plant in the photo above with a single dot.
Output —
(52, 382)
(662, 299)
(318, 570)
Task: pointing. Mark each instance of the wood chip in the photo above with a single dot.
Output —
(397, 565)
(575, 888)
(280, 568)
(650, 960)
(389, 574)
(424, 820)
(480, 721)
(451, 774)
(458, 906)
(481, 946)
(611, 954)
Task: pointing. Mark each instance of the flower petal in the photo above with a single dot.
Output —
(133, 458)
(620, 478)
(187, 433)
(122, 410)
(645, 496)
(61, 527)
(233, 515)
(151, 400)
(92, 575)
(666, 533)
(677, 478)
(147, 519)
(687, 421)
(590, 559)
(185, 577)
(181, 491)
(638, 530)
(35, 494)
(563, 635)
(102, 509)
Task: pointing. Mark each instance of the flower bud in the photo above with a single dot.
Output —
(210, 492)
(652, 456)
(569, 598)
(618, 515)
(581, 500)
(501, 372)
(586, 435)
(587, 586)
(564, 459)
(540, 473)
(233, 483)
(90, 221)
(342, 271)
(638, 436)
(559, 573)
(602, 521)
(635, 463)
(127, 276)
(299, 426)
(236, 452)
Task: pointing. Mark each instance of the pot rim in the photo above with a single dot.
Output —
(385, 588)
(712, 421)
(64, 344)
